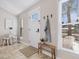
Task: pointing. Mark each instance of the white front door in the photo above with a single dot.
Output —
(34, 29)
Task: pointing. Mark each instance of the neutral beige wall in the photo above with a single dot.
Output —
(47, 7)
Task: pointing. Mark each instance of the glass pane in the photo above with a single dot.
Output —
(70, 25)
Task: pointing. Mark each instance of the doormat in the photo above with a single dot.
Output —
(29, 51)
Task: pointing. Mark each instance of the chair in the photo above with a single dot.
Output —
(5, 39)
(8, 39)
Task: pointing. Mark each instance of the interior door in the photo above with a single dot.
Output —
(34, 28)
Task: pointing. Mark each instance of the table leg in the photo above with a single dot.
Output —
(54, 54)
(39, 49)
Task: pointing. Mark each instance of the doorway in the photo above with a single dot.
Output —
(34, 27)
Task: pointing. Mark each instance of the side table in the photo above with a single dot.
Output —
(52, 47)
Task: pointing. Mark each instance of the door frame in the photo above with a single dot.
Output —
(30, 17)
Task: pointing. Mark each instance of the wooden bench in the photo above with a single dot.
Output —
(50, 46)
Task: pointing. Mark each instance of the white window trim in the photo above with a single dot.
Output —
(60, 47)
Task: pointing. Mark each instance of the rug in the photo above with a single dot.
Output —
(29, 51)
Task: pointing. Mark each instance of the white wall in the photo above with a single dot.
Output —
(25, 27)
(47, 7)
(7, 20)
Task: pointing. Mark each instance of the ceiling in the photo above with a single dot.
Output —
(16, 6)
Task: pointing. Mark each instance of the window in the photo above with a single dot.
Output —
(70, 24)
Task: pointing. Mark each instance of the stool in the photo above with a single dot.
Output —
(5, 41)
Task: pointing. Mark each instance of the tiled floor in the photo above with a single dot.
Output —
(12, 52)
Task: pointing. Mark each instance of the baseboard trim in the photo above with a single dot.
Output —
(25, 43)
(58, 58)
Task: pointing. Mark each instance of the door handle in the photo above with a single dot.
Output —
(37, 30)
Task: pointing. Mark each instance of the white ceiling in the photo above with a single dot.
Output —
(16, 6)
